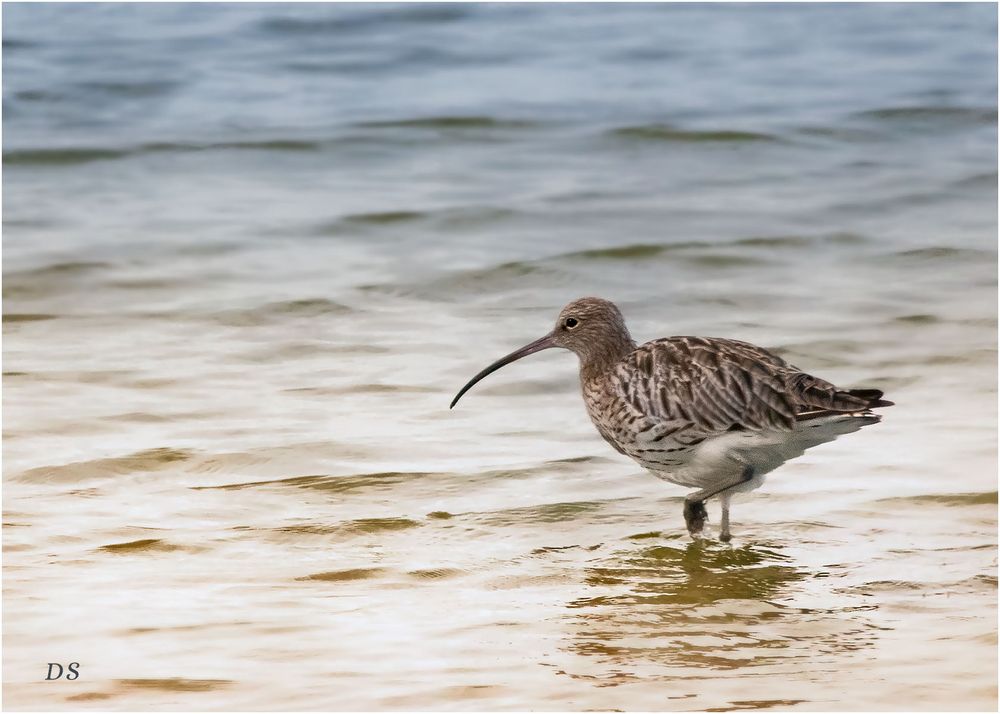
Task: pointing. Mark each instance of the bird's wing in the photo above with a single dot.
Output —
(714, 384)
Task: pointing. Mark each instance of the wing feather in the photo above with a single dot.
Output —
(714, 384)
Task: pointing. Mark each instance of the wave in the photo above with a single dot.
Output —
(280, 311)
(701, 250)
(667, 132)
(943, 253)
(931, 115)
(175, 684)
(138, 462)
(353, 574)
(554, 270)
(490, 281)
(442, 219)
(60, 270)
(376, 18)
(699, 254)
(361, 526)
(53, 279)
(988, 498)
(458, 126)
(16, 317)
(370, 388)
(70, 155)
(387, 480)
(144, 545)
(435, 573)
(987, 179)
(347, 575)
(450, 122)
(635, 251)
(544, 513)
(335, 484)
(385, 217)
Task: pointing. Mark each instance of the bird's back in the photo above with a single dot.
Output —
(678, 401)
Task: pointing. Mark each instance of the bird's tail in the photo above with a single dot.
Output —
(872, 396)
(851, 401)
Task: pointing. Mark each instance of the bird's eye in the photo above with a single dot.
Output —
(571, 322)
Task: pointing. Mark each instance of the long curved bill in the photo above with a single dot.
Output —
(529, 349)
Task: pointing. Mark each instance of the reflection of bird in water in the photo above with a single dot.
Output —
(694, 575)
(704, 412)
(685, 608)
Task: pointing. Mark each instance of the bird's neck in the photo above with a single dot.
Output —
(602, 358)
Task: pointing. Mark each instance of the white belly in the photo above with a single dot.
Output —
(720, 460)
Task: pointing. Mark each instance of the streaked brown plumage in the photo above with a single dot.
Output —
(704, 412)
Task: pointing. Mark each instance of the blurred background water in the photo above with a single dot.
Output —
(251, 251)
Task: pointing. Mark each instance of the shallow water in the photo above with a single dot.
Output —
(251, 252)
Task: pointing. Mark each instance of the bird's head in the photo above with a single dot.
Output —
(591, 327)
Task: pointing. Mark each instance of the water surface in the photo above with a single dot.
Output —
(252, 251)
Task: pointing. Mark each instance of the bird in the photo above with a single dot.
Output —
(708, 413)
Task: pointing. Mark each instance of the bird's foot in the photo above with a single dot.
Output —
(695, 516)
(725, 536)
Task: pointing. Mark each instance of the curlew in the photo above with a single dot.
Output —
(707, 413)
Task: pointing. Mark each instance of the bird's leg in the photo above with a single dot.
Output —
(724, 535)
(695, 515)
(697, 499)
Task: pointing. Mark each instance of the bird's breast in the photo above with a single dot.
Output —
(635, 434)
